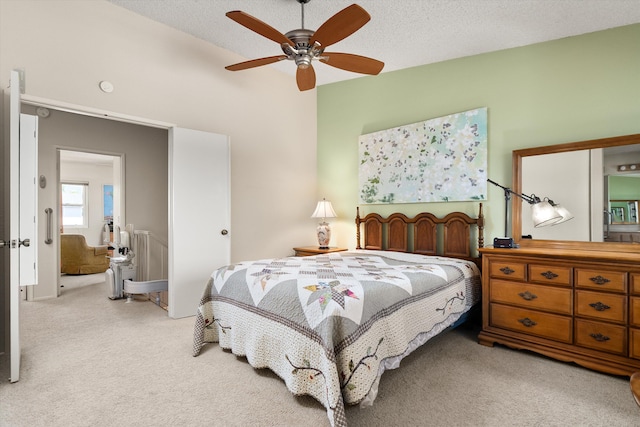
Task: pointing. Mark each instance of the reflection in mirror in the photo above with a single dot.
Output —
(623, 199)
(627, 211)
(622, 192)
(541, 176)
(598, 181)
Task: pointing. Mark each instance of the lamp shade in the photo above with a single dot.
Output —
(324, 210)
(564, 213)
(543, 213)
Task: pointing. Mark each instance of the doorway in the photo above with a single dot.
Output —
(168, 169)
(91, 194)
(141, 165)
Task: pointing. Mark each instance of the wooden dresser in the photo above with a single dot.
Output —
(578, 306)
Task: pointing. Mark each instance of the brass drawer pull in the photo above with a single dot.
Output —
(528, 296)
(599, 337)
(599, 306)
(507, 270)
(599, 280)
(549, 275)
(527, 322)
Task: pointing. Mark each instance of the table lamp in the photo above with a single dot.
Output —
(324, 210)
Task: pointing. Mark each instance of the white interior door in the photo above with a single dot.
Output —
(23, 225)
(28, 199)
(21, 211)
(199, 214)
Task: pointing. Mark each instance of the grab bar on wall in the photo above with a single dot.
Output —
(607, 222)
(49, 239)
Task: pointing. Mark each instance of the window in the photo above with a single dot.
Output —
(74, 205)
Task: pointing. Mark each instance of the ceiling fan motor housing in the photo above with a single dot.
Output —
(302, 53)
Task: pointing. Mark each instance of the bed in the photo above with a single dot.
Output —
(330, 325)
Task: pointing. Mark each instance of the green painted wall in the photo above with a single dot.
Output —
(624, 187)
(573, 89)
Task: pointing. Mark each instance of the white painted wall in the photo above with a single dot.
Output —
(67, 47)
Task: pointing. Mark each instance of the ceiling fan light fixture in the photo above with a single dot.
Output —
(303, 63)
(303, 46)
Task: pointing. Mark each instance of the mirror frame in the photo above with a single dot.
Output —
(516, 202)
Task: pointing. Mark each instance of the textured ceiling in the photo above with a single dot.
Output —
(401, 33)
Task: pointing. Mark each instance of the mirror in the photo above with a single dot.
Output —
(598, 181)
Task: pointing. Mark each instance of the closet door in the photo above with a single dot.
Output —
(199, 214)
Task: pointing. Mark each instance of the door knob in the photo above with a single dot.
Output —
(224, 232)
(26, 243)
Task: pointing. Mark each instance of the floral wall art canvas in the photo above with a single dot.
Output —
(438, 160)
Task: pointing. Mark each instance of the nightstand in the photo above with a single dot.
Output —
(315, 250)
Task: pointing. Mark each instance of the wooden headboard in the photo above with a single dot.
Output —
(422, 233)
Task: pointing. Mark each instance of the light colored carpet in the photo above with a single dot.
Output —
(73, 281)
(90, 361)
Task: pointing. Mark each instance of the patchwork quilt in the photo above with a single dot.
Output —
(329, 325)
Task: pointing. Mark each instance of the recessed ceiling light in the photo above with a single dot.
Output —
(106, 86)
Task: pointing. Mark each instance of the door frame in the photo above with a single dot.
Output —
(67, 107)
(13, 351)
(121, 202)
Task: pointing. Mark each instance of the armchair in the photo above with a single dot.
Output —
(76, 257)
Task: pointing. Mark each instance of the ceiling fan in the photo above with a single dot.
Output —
(303, 46)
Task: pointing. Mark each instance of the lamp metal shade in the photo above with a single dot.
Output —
(564, 213)
(324, 210)
(543, 213)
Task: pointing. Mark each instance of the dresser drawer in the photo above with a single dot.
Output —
(601, 279)
(508, 269)
(634, 311)
(547, 298)
(601, 336)
(550, 274)
(634, 343)
(531, 322)
(601, 305)
(635, 283)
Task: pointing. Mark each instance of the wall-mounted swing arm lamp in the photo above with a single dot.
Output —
(544, 212)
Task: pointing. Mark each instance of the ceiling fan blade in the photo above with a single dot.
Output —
(341, 25)
(306, 78)
(350, 62)
(255, 63)
(254, 24)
